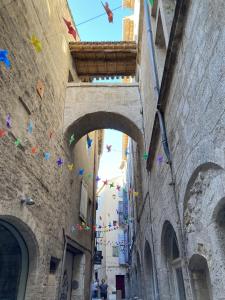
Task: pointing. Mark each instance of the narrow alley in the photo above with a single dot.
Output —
(112, 148)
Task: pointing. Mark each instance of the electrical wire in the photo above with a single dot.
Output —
(97, 17)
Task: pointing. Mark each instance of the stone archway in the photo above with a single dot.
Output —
(203, 223)
(30, 244)
(90, 107)
(174, 282)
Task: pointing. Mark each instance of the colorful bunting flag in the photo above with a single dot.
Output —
(111, 185)
(36, 43)
(8, 121)
(109, 147)
(71, 29)
(98, 178)
(108, 11)
(34, 150)
(70, 167)
(47, 155)
(159, 159)
(89, 141)
(145, 155)
(81, 172)
(59, 162)
(126, 152)
(2, 133)
(17, 142)
(4, 58)
(30, 127)
(72, 139)
(105, 182)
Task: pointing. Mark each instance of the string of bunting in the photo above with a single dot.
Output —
(110, 243)
(86, 227)
(34, 150)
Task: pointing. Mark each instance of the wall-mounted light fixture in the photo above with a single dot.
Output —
(27, 201)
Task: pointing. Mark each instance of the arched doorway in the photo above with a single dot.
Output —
(13, 263)
(149, 277)
(173, 262)
(139, 276)
(200, 278)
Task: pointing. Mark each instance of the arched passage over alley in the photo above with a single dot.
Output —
(90, 107)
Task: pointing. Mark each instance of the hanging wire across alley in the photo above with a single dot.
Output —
(94, 18)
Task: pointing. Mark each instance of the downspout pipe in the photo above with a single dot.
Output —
(164, 135)
(156, 90)
(156, 80)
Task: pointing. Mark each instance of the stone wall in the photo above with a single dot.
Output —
(54, 189)
(191, 198)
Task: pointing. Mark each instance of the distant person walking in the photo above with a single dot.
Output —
(103, 290)
(95, 289)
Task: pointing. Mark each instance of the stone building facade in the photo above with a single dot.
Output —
(111, 226)
(39, 164)
(178, 239)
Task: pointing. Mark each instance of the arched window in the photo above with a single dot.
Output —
(13, 263)
(173, 262)
(219, 218)
(149, 277)
(201, 284)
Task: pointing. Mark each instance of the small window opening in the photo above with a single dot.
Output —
(114, 223)
(54, 262)
(115, 251)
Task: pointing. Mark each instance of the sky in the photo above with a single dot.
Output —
(101, 30)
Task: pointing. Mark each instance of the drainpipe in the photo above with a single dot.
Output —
(156, 90)
(152, 50)
(164, 135)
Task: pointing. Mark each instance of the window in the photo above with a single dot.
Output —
(200, 278)
(149, 276)
(54, 262)
(115, 251)
(173, 262)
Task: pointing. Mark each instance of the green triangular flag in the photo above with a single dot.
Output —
(151, 2)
